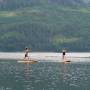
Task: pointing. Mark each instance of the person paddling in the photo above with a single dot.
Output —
(26, 54)
(63, 54)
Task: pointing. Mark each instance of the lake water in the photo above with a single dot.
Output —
(44, 76)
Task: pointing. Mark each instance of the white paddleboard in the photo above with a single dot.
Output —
(27, 61)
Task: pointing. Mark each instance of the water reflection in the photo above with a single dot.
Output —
(27, 81)
(65, 73)
(75, 76)
(23, 78)
(26, 71)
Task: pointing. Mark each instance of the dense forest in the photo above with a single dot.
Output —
(45, 25)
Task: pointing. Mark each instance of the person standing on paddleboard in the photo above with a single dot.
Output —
(63, 54)
(26, 54)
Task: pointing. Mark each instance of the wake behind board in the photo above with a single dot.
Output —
(27, 61)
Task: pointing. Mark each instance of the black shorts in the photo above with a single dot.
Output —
(26, 55)
(63, 53)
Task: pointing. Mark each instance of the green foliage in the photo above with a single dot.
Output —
(44, 25)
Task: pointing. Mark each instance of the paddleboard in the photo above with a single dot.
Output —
(68, 61)
(27, 61)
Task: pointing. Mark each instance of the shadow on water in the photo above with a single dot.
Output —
(44, 76)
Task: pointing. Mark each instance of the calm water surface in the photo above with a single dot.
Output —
(44, 76)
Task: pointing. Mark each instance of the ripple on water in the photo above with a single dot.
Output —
(44, 76)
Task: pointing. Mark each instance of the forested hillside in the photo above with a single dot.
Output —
(45, 25)
(16, 4)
